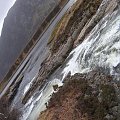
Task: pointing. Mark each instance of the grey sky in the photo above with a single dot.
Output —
(5, 5)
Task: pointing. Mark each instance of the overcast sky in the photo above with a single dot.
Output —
(5, 5)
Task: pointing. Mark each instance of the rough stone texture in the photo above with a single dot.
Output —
(106, 7)
(63, 44)
(90, 96)
(81, 14)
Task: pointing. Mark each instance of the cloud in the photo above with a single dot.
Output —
(1, 26)
(5, 5)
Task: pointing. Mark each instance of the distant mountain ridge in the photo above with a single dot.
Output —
(21, 22)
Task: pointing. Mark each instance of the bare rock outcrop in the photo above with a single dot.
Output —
(90, 96)
(61, 46)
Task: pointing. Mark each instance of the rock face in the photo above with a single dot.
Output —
(83, 15)
(20, 24)
(90, 96)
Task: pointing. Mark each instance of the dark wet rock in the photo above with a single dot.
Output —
(12, 91)
(55, 87)
(117, 68)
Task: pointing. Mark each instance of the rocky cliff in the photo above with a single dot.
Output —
(90, 96)
(83, 16)
(84, 58)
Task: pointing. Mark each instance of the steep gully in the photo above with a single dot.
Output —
(97, 50)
